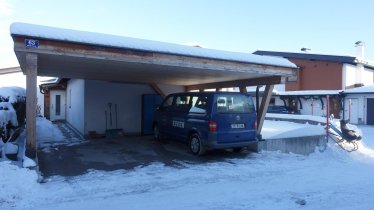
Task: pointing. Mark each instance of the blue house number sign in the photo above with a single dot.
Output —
(31, 43)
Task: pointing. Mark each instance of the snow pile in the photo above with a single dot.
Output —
(282, 129)
(17, 185)
(297, 117)
(47, 133)
(9, 148)
(9, 95)
(13, 93)
(27, 162)
(366, 146)
(7, 114)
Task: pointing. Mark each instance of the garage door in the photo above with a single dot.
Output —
(370, 111)
(149, 105)
(351, 112)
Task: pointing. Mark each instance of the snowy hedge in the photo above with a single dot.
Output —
(12, 110)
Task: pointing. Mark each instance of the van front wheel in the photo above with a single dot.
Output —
(196, 145)
(238, 149)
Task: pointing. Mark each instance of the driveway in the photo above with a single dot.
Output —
(122, 153)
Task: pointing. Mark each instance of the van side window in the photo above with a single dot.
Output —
(167, 104)
(182, 103)
(199, 104)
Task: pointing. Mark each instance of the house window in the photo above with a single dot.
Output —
(58, 105)
(69, 98)
(294, 78)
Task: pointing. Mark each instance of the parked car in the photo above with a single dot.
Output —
(207, 120)
(281, 110)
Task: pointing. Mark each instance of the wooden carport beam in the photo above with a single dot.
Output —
(243, 89)
(264, 107)
(30, 69)
(237, 83)
(157, 89)
(10, 70)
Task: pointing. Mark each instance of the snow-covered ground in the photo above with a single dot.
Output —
(333, 179)
(49, 135)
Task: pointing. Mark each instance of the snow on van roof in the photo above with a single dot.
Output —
(75, 36)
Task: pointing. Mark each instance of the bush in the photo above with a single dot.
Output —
(12, 117)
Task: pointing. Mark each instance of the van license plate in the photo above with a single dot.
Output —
(237, 126)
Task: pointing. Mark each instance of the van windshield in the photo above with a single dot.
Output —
(230, 103)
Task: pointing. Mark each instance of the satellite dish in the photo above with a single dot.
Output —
(304, 49)
(359, 43)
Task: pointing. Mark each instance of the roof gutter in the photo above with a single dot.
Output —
(366, 63)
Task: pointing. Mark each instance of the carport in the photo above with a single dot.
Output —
(47, 51)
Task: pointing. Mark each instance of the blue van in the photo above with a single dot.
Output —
(207, 120)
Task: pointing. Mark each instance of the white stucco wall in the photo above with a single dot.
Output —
(128, 98)
(368, 76)
(75, 102)
(349, 75)
(352, 76)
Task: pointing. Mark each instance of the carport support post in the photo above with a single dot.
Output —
(31, 104)
(264, 107)
(243, 89)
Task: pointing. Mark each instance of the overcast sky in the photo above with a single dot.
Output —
(328, 27)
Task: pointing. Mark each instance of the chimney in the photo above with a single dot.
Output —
(360, 49)
(360, 54)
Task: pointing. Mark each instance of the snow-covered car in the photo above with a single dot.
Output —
(281, 110)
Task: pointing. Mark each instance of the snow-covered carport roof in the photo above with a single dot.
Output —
(48, 51)
(87, 55)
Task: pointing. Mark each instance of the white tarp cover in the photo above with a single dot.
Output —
(363, 89)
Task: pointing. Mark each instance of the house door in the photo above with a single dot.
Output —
(351, 110)
(370, 111)
(58, 105)
(149, 105)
